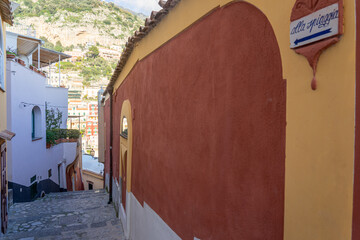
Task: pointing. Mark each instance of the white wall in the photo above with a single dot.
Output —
(57, 98)
(25, 156)
(11, 41)
(145, 223)
(62, 154)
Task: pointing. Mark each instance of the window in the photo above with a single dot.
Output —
(124, 128)
(36, 123)
(49, 173)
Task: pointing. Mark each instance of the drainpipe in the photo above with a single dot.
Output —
(111, 145)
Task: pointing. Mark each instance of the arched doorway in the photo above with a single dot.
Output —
(125, 165)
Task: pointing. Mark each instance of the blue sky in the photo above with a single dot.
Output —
(139, 6)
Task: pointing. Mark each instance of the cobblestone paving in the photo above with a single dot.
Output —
(70, 215)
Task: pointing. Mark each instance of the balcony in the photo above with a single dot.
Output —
(27, 51)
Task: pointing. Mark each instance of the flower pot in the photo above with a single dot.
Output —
(21, 62)
(10, 56)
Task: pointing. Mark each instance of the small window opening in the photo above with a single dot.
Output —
(36, 123)
(124, 127)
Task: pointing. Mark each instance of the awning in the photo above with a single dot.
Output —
(6, 12)
(48, 56)
(26, 44)
(7, 135)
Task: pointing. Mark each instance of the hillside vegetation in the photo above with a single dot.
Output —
(67, 24)
(74, 22)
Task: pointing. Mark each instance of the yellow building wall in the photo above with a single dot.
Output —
(320, 132)
(3, 94)
(320, 124)
(96, 179)
(126, 144)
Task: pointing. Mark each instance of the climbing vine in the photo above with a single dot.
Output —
(53, 118)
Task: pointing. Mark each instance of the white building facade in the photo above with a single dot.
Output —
(32, 168)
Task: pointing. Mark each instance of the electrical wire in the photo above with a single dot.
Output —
(42, 105)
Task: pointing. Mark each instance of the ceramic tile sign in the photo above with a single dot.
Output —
(319, 25)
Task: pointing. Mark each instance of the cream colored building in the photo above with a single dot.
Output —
(92, 173)
(92, 181)
(5, 17)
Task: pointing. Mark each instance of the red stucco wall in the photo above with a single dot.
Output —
(79, 186)
(209, 128)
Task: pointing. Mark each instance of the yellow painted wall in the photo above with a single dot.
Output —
(320, 124)
(3, 109)
(96, 179)
(126, 144)
(3, 94)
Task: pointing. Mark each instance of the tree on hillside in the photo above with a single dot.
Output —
(93, 52)
(47, 43)
(59, 47)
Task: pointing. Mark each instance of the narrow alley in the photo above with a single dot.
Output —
(67, 215)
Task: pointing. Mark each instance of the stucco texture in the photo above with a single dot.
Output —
(320, 124)
(209, 131)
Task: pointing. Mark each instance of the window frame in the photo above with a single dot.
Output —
(124, 133)
(36, 133)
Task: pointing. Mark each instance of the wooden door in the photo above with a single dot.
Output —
(123, 182)
(4, 213)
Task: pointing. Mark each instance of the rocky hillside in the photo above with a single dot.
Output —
(76, 22)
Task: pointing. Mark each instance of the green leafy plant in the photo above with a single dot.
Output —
(56, 134)
(73, 133)
(53, 118)
(11, 51)
(50, 137)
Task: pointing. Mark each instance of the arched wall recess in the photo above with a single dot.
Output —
(126, 141)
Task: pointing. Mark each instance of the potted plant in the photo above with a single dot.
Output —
(21, 62)
(73, 135)
(50, 138)
(10, 55)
